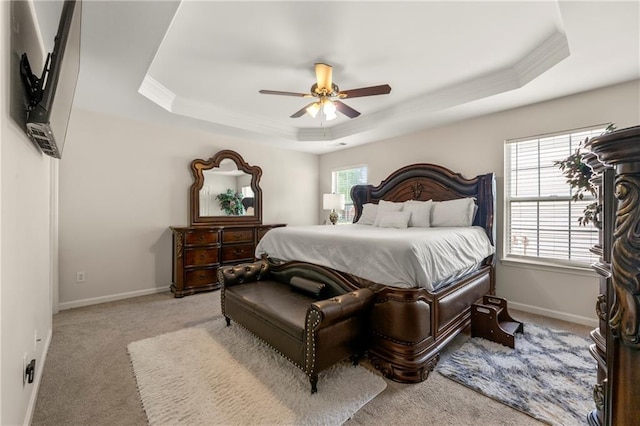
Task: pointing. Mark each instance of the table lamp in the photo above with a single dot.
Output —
(333, 202)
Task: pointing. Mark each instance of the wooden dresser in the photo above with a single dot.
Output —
(225, 206)
(615, 160)
(198, 252)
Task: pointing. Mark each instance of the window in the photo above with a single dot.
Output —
(541, 220)
(247, 191)
(341, 183)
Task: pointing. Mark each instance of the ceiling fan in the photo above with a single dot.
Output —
(328, 95)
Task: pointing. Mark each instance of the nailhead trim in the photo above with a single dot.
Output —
(313, 320)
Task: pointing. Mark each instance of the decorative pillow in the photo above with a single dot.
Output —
(384, 207)
(395, 219)
(368, 216)
(453, 212)
(312, 288)
(420, 213)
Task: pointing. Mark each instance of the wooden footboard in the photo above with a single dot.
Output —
(409, 327)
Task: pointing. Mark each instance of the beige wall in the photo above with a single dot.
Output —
(476, 146)
(26, 253)
(123, 183)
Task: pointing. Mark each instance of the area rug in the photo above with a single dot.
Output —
(549, 375)
(214, 374)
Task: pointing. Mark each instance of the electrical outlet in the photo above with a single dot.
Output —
(80, 277)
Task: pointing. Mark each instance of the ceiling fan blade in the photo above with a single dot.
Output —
(324, 76)
(365, 91)
(301, 112)
(277, 92)
(346, 109)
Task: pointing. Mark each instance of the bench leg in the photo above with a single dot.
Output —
(314, 383)
(355, 359)
(228, 320)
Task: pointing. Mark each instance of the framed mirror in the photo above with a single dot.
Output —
(225, 190)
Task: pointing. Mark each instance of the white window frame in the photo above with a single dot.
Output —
(509, 255)
(345, 216)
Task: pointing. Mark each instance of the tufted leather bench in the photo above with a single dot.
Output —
(312, 316)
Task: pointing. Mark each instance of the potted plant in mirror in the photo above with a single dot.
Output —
(578, 174)
(231, 202)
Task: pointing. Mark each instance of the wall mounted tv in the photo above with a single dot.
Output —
(50, 97)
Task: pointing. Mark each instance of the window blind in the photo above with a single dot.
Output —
(541, 220)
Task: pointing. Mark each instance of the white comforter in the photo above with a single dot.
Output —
(408, 258)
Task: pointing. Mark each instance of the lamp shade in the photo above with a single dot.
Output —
(333, 201)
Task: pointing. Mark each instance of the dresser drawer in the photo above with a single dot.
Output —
(201, 236)
(237, 252)
(200, 256)
(237, 236)
(200, 277)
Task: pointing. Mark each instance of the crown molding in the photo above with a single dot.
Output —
(542, 58)
(214, 114)
(157, 93)
(536, 62)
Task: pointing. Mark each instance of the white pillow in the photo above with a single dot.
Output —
(453, 212)
(384, 207)
(368, 216)
(395, 219)
(420, 213)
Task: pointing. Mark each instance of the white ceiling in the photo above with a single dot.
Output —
(201, 63)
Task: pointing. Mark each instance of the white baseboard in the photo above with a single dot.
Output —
(593, 322)
(110, 298)
(37, 380)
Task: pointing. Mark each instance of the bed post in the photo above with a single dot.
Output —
(487, 205)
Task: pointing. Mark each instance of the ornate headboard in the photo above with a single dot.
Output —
(432, 182)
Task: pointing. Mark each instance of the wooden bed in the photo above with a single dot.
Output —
(410, 327)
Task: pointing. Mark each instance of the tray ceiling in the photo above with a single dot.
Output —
(205, 61)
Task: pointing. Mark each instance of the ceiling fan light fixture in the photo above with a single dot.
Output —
(330, 115)
(313, 109)
(324, 89)
(328, 108)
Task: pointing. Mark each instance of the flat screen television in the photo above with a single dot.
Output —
(50, 97)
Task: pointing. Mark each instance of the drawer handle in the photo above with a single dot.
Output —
(237, 236)
(237, 251)
(203, 276)
(201, 238)
(202, 256)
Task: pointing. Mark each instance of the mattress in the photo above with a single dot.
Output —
(407, 258)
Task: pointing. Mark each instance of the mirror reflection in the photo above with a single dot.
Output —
(226, 191)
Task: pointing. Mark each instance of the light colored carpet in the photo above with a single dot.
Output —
(214, 374)
(549, 375)
(88, 378)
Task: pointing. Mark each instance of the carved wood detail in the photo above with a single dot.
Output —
(617, 392)
(417, 190)
(179, 244)
(625, 321)
(601, 307)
